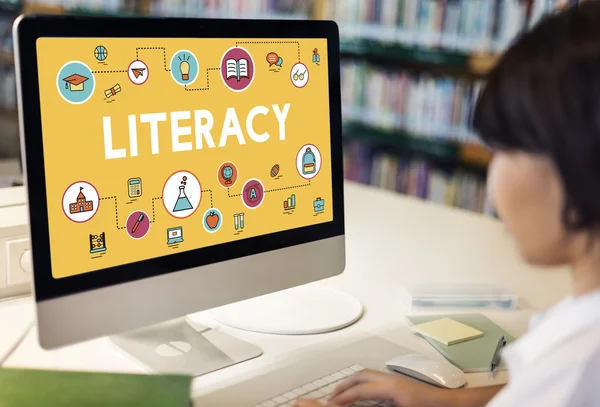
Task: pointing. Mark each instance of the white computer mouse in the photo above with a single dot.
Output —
(438, 373)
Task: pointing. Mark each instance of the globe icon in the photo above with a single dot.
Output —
(227, 174)
(101, 53)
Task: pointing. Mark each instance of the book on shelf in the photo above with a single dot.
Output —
(437, 187)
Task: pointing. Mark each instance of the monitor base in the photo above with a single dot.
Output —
(308, 309)
(184, 347)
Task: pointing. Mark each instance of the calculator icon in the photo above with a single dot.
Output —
(134, 187)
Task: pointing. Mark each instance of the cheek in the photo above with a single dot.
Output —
(528, 201)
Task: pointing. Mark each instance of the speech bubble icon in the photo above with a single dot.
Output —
(279, 62)
(272, 58)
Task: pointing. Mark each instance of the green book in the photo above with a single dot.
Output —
(36, 388)
(474, 355)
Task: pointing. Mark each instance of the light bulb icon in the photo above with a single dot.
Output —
(184, 67)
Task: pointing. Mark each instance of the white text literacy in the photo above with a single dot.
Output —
(147, 125)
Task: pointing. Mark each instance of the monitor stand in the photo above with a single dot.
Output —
(187, 347)
(305, 310)
(183, 347)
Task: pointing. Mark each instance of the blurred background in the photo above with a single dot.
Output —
(411, 71)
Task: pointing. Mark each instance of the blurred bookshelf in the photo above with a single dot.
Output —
(416, 175)
(9, 129)
(411, 71)
(386, 53)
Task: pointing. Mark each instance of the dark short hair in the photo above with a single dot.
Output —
(543, 97)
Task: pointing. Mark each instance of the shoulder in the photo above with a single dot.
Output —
(585, 391)
(565, 375)
(577, 352)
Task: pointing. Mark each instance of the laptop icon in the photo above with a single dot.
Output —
(175, 235)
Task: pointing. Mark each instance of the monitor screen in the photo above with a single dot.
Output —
(154, 146)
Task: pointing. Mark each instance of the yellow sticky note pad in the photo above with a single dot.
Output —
(447, 331)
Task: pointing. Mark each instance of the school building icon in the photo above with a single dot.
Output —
(82, 205)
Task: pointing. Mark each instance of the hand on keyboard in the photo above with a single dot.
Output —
(311, 403)
(391, 389)
(315, 403)
(319, 391)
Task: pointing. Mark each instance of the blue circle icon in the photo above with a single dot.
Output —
(75, 82)
(101, 53)
(212, 220)
(184, 67)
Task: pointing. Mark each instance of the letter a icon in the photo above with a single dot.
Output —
(253, 194)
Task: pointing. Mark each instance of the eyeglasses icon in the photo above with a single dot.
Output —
(298, 76)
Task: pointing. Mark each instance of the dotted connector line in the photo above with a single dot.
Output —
(116, 211)
(211, 196)
(138, 49)
(285, 188)
(271, 42)
(207, 81)
(232, 196)
(153, 212)
(125, 71)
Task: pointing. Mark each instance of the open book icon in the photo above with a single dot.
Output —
(237, 69)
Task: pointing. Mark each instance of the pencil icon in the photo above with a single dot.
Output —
(137, 223)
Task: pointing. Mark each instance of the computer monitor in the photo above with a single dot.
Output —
(223, 135)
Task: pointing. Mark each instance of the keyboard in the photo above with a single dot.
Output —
(320, 389)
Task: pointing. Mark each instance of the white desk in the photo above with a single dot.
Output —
(391, 240)
(10, 170)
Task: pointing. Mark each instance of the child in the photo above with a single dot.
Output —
(540, 113)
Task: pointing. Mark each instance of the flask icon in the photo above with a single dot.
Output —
(183, 203)
(308, 162)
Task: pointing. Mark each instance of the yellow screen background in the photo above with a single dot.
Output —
(73, 144)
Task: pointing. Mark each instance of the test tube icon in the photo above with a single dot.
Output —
(238, 221)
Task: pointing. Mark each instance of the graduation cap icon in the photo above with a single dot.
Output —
(75, 82)
(137, 72)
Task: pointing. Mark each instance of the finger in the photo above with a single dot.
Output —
(307, 403)
(365, 391)
(364, 376)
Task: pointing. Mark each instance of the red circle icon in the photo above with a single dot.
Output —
(299, 75)
(80, 201)
(137, 72)
(227, 174)
(253, 193)
(138, 224)
(237, 69)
